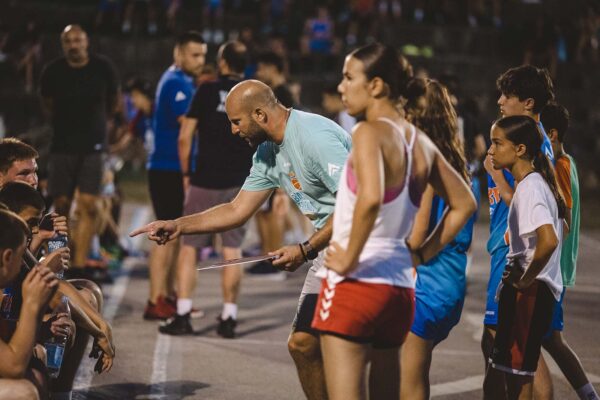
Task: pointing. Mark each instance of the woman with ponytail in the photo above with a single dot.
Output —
(532, 279)
(366, 305)
(441, 282)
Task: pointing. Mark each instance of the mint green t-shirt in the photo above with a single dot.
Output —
(307, 164)
(568, 181)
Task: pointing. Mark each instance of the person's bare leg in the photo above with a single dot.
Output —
(186, 276)
(86, 226)
(384, 375)
(306, 353)
(416, 361)
(345, 368)
(231, 276)
(170, 285)
(567, 360)
(542, 384)
(160, 257)
(18, 389)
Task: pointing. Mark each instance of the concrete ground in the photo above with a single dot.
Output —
(256, 364)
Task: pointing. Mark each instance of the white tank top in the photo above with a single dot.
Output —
(385, 257)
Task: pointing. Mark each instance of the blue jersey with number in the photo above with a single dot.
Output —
(174, 94)
(499, 210)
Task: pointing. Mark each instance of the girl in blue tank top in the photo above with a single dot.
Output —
(441, 281)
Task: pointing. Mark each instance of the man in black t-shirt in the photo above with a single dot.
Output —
(79, 91)
(221, 163)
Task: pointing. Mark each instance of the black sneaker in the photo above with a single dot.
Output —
(177, 325)
(226, 327)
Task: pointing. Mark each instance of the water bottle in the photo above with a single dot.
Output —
(58, 242)
(55, 346)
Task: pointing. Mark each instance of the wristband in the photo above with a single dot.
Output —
(303, 253)
(310, 252)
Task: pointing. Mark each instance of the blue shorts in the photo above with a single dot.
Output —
(557, 316)
(498, 262)
(440, 296)
(435, 323)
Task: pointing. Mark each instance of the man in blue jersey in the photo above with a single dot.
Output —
(303, 154)
(222, 164)
(165, 181)
(524, 90)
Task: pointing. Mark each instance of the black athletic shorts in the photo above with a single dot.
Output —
(67, 172)
(524, 317)
(166, 193)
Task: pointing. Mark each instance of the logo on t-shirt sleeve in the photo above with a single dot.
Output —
(332, 169)
(180, 96)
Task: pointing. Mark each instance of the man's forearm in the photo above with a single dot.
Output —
(84, 315)
(320, 239)
(217, 219)
(21, 344)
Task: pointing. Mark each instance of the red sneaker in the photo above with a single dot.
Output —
(161, 310)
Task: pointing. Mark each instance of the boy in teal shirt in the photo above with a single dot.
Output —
(555, 119)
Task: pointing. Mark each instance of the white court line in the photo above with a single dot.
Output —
(159, 366)
(115, 293)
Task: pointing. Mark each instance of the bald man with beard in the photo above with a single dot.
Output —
(303, 154)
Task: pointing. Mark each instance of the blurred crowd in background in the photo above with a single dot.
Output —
(464, 43)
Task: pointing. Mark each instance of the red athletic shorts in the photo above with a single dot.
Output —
(524, 317)
(365, 312)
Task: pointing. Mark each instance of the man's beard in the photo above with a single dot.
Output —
(258, 135)
(75, 55)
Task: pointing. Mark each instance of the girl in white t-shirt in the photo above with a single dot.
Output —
(532, 279)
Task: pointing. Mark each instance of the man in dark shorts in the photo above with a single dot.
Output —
(173, 96)
(79, 91)
(222, 164)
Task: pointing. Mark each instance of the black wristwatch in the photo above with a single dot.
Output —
(309, 251)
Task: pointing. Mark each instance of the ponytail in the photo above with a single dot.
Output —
(383, 61)
(542, 165)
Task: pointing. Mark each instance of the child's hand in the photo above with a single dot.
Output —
(512, 275)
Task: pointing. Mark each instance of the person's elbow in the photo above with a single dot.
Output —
(471, 204)
(369, 201)
(552, 243)
(468, 204)
(239, 213)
